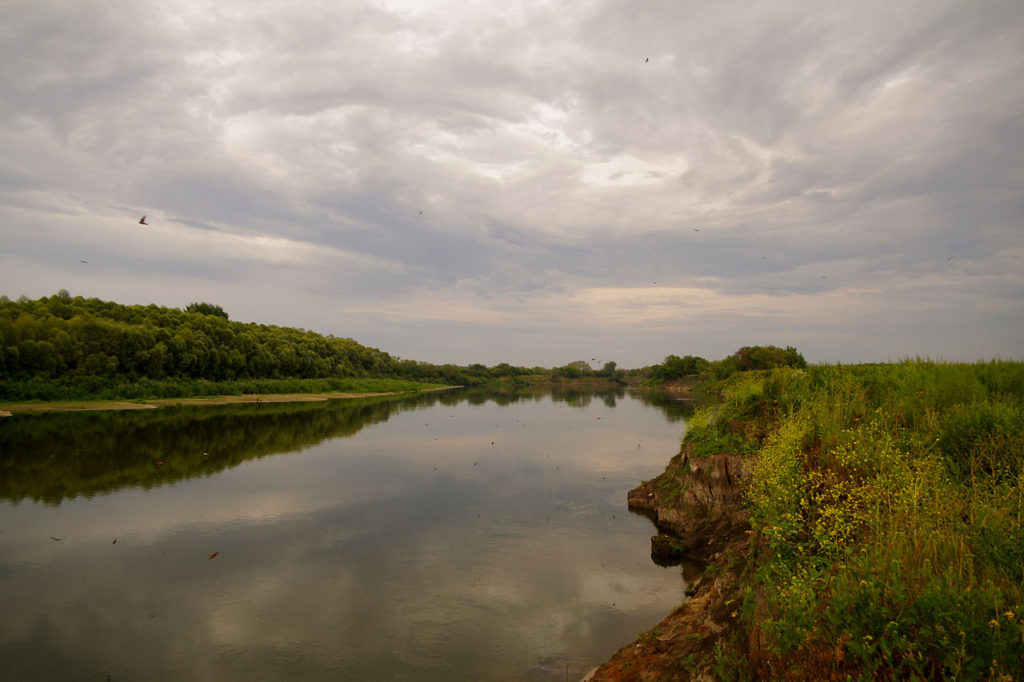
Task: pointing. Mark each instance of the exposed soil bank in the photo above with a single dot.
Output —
(695, 504)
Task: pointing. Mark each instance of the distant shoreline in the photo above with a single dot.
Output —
(8, 409)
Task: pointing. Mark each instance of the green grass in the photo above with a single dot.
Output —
(80, 388)
(888, 510)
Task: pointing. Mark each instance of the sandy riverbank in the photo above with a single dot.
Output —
(7, 410)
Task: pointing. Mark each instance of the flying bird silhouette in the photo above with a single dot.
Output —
(142, 221)
(647, 59)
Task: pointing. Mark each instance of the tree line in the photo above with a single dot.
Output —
(64, 346)
(745, 359)
(75, 347)
(62, 335)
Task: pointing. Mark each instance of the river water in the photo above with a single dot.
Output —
(451, 535)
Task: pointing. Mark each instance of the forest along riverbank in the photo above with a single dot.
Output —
(859, 522)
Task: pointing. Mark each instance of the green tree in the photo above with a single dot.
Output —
(755, 358)
(206, 309)
(675, 367)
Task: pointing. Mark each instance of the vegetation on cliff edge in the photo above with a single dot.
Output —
(887, 505)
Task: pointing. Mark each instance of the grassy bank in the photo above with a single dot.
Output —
(80, 389)
(888, 517)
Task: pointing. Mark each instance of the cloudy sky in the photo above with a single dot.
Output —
(531, 182)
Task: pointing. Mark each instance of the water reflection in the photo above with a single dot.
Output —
(455, 535)
(57, 456)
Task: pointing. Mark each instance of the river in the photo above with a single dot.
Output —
(451, 535)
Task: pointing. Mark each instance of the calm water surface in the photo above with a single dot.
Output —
(454, 535)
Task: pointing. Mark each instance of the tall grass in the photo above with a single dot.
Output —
(888, 504)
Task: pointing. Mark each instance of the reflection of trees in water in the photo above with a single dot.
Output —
(58, 456)
(572, 396)
(583, 398)
(675, 408)
(501, 396)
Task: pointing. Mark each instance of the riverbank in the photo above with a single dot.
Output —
(6, 410)
(696, 505)
(858, 522)
(360, 388)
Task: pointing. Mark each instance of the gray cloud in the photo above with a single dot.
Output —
(485, 183)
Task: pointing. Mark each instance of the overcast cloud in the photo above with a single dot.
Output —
(529, 182)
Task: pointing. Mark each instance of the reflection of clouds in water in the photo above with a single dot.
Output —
(277, 609)
(625, 590)
(148, 517)
(355, 559)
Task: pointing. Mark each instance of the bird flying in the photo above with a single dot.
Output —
(142, 221)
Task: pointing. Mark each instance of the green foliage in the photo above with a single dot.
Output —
(610, 371)
(751, 358)
(64, 338)
(82, 388)
(675, 367)
(888, 502)
(708, 435)
(777, 485)
(65, 348)
(985, 437)
(574, 370)
(746, 359)
(205, 309)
